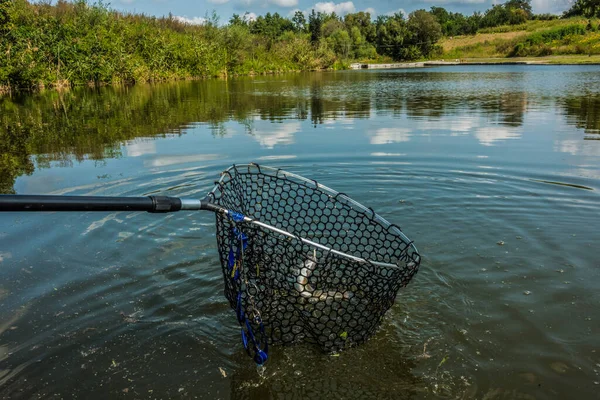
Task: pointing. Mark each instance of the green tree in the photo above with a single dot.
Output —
(315, 24)
(425, 31)
(391, 35)
(441, 14)
(361, 48)
(585, 8)
(299, 21)
(474, 23)
(271, 26)
(523, 5)
(236, 20)
(495, 16)
(517, 16)
(341, 42)
(361, 20)
(331, 26)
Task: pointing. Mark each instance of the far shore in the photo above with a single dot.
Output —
(548, 60)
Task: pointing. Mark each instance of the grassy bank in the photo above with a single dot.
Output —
(572, 37)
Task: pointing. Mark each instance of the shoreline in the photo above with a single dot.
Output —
(7, 90)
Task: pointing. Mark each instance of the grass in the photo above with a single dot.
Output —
(533, 26)
(533, 39)
(449, 44)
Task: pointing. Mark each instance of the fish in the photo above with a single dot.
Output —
(301, 276)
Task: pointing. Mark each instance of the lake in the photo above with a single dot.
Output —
(493, 171)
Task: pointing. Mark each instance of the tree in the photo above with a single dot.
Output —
(391, 35)
(441, 14)
(474, 23)
(299, 21)
(315, 23)
(361, 20)
(517, 16)
(523, 5)
(425, 31)
(452, 24)
(341, 42)
(495, 16)
(331, 26)
(586, 8)
(236, 20)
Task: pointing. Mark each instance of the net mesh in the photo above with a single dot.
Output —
(286, 291)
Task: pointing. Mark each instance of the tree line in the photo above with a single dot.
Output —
(78, 42)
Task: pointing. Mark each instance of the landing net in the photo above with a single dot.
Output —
(304, 263)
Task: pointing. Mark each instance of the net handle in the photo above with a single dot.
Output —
(151, 204)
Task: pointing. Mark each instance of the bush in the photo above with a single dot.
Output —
(410, 53)
(556, 34)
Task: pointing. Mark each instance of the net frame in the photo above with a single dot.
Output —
(303, 262)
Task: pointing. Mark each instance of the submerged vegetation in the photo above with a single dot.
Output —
(80, 43)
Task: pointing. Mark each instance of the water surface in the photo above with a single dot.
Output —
(493, 171)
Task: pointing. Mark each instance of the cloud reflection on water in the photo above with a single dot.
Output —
(276, 134)
(389, 135)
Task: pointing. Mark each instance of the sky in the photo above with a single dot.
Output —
(195, 11)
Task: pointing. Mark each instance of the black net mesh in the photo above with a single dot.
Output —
(285, 290)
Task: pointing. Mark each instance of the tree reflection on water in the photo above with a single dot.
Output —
(91, 124)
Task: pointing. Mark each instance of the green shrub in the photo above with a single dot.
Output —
(85, 43)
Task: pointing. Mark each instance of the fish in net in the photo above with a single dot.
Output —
(304, 263)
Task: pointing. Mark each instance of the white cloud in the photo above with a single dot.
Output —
(191, 21)
(389, 135)
(458, 1)
(293, 12)
(218, 1)
(550, 6)
(284, 3)
(400, 10)
(331, 7)
(250, 16)
(371, 11)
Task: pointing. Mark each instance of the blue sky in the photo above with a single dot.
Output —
(196, 10)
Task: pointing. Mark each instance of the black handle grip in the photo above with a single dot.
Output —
(153, 204)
